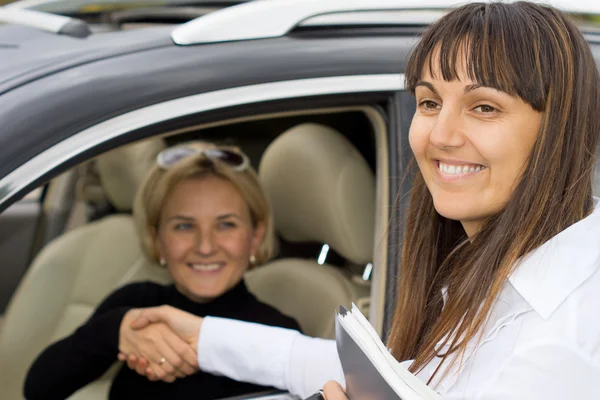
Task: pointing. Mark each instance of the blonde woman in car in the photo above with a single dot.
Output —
(500, 273)
(202, 214)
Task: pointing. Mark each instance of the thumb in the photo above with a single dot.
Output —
(148, 316)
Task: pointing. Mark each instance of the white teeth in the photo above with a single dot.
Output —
(458, 169)
(206, 267)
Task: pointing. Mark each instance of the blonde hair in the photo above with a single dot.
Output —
(152, 194)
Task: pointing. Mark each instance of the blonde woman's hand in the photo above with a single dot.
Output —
(165, 355)
(334, 391)
(185, 325)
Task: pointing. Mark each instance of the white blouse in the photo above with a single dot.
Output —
(542, 341)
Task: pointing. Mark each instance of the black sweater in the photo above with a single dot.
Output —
(73, 362)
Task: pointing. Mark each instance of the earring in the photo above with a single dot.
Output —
(252, 261)
(162, 262)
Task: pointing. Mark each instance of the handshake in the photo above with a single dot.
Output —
(160, 343)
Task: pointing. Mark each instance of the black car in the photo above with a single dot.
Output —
(82, 114)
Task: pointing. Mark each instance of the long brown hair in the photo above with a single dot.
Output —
(536, 53)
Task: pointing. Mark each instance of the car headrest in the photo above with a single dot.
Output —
(322, 190)
(122, 170)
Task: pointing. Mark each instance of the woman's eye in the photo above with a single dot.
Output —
(226, 225)
(183, 227)
(429, 105)
(485, 109)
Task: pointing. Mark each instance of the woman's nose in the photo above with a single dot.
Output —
(205, 243)
(447, 132)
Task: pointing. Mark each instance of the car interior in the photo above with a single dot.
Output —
(319, 172)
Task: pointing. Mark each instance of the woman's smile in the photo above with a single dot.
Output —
(451, 171)
(211, 268)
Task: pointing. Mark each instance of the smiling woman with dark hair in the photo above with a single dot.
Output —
(500, 275)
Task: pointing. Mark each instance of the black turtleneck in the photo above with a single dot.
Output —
(73, 362)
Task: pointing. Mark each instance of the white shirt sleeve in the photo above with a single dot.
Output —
(269, 356)
(551, 371)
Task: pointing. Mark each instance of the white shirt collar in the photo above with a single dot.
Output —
(549, 274)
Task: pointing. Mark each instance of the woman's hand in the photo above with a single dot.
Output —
(185, 325)
(333, 391)
(165, 355)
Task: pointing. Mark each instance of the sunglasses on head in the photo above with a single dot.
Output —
(237, 160)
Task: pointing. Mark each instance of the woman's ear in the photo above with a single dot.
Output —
(257, 237)
(156, 245)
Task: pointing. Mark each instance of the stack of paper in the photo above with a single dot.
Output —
(371, 371)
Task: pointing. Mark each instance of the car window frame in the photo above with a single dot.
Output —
(400, 111)
(225, 105)
(17, 182)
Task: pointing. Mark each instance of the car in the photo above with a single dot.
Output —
(83, 114)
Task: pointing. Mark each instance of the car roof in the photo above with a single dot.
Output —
(28, 53)
(22, 46)
(87, 89)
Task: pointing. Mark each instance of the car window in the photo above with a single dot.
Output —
(362, 127)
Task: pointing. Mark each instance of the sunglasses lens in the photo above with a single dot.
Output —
(230, 158)
(168, 157)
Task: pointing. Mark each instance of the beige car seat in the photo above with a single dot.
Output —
(323, 191)
(73, 273)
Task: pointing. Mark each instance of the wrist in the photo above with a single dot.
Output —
(196, 337)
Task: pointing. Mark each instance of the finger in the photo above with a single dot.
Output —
(187, 369)
(162, 370)
(169, 361)
(148, 349)
(150, 374)
(161, 374)
(180, 374)
(138, 365)
(189, 358)
(141, 321)
(333, 391)
(154, 349)
(122, 357)
(148, 316)
(132, 361)
(141, 367)
(157, 372)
